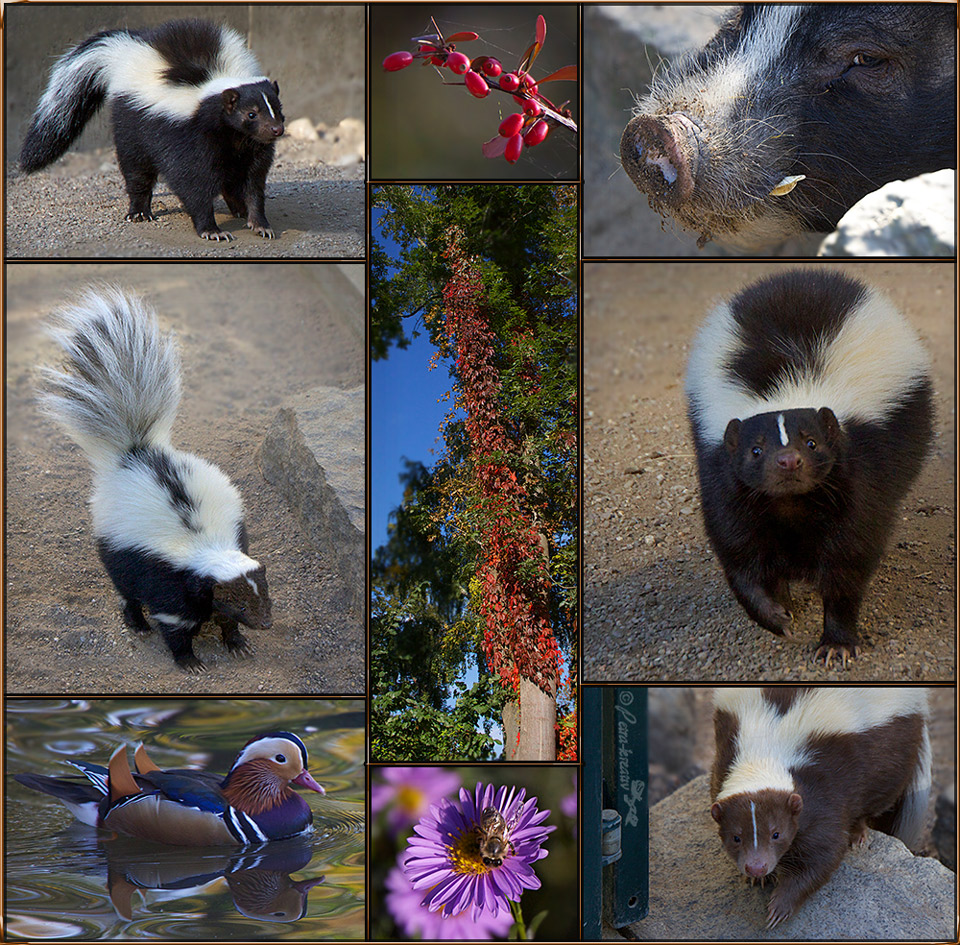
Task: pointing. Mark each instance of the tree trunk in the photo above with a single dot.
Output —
(536, 714)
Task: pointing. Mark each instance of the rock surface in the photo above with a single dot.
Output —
(903, 218)
(313, 454)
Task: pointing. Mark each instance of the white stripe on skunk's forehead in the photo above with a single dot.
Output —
(769, 744)
(872, 363)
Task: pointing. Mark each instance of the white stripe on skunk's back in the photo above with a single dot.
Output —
(769, 743)
(863, 373)
(135, 69)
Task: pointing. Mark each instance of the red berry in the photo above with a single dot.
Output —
(397, 61)
(458, 62)
(531, 108)
(514, 147)
(492, 68)
(509, 82)
(511, 125)
(476, 85)
(536, 134)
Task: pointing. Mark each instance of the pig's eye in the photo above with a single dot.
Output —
(866, 60)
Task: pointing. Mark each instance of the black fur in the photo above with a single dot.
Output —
(821, 508)
(225, 147)
(146, 580)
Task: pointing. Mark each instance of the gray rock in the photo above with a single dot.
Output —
(313, 453)
(879, 892)
(903, 218)
(945, 828)
(673, 732)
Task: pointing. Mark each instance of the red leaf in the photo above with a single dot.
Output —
(526, 60)
(495, 147)
(541, 30)
(568, 73)
(465, 37)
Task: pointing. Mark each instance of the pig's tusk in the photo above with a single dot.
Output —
(786, 185)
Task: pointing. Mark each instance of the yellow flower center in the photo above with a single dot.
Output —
(465, 853)
(410, 799)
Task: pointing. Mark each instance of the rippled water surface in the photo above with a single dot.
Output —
(68, 881)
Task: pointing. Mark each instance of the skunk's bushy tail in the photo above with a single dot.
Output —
(119, 386)
(78, 85)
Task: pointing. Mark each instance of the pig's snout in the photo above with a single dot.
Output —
(660, 155)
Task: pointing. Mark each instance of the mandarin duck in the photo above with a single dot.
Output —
(187, 807)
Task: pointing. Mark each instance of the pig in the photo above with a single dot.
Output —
(791, 114)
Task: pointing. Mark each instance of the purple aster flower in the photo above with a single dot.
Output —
(409, 792)
(466, 856)
(415, 920)
(568, 805)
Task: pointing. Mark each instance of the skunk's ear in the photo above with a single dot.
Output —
(230, 97)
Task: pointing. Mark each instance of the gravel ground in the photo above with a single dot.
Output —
(656, 604)
(75, 208)
(250, 337)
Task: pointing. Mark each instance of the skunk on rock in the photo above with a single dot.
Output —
(190, 104)
(810, 403)
(801, 772)
(168, 525)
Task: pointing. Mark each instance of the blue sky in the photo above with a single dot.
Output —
(405, 413)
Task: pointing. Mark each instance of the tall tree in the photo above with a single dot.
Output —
(491, 271)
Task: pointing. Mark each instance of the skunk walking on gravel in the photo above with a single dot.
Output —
(168, 525)
(810, 402)
(190, 103)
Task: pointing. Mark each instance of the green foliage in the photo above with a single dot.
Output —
(420, 712)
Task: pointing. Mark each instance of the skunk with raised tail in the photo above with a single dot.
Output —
(810, 403)
(190, 104)
(168, 525)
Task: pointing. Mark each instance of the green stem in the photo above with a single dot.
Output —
(518, 919)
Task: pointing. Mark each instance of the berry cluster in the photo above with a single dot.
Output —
(485, 74)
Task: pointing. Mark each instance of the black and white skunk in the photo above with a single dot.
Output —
(810, 402)
(169, 525)
(190, 103)
(801, 772)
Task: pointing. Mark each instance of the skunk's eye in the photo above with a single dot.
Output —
(775, 835)
(736, 839)
(811, 444)
(757, 451)
(251, 115)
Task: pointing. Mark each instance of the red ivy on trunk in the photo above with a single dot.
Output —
(518, 639)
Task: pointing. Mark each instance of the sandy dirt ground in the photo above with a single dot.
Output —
(76, 208)
(250, 337)
(656, 604)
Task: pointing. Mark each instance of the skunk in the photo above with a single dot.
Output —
(189, 103)
(168, 525)
(801, 772)
(810, 404)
